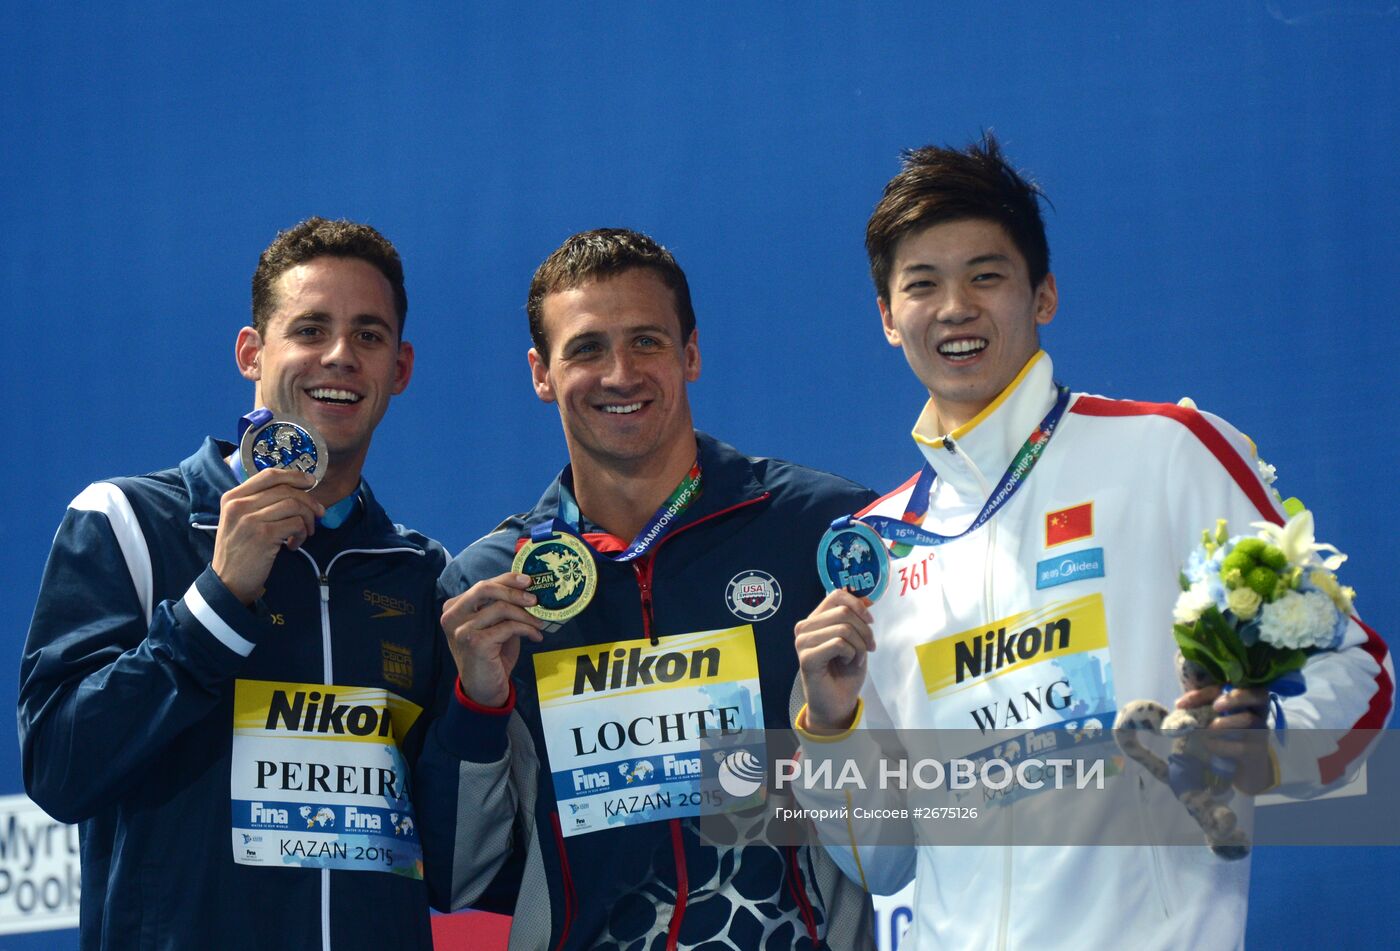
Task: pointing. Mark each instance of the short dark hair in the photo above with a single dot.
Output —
(318, 237)
(939, 185)
(597, 255)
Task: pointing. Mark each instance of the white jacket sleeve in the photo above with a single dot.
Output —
(842, 811)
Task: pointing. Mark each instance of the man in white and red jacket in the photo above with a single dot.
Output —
(1067, 518)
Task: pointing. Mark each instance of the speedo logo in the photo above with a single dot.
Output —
(1022, 640)
(311, 712)
(636, 668)
(389, 607)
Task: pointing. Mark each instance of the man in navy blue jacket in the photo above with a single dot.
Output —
(228, 676)
(669, 570)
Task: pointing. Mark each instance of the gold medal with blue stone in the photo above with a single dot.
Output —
(283, 442)
(852, 556)
(563, 575)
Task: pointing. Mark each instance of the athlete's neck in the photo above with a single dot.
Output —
(949, 417)
(342, 477)
(621, 499)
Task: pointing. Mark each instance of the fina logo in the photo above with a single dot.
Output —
(322, 816)
(754, 595)
(740, 774)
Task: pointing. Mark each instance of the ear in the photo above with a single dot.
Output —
(539, 375)
(887, 318)
(1047, 299)
(691, 356)
(246, 350)
(403, 368)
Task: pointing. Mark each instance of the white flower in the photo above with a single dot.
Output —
(1244, 603)
(1266, 472)
(1297, 542)
(1299, 621)
(1192, 602)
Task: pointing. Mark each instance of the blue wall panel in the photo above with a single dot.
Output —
(1223, 176)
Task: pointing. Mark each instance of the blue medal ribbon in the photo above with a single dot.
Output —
(903, 531)
(258, 417)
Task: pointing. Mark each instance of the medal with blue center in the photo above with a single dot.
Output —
(285, 442)
(563, 576)
(852, 556)
(839, 569)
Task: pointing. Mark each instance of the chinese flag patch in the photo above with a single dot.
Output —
(1068, 524)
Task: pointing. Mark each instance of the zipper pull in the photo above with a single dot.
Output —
(949, 445)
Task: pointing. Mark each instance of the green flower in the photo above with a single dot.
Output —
(1262, 581)
(1251, 548)
(1237, 560)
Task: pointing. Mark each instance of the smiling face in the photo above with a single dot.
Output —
(618, 368)
(962, 308)
(330, 354)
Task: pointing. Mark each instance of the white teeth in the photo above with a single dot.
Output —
(339, 396)
(626, 408)
(955, 348)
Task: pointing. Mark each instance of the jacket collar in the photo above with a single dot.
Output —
(207, 477)
(974, 455)
(727, 478)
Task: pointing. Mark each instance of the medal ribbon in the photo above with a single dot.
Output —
(656, 528)
(258, 417)
(907, 531)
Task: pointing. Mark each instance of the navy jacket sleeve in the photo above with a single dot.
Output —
(106, 681)
(468, 801)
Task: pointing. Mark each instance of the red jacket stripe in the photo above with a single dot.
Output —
(1240, 470)
(909, 482)
(1331, 766)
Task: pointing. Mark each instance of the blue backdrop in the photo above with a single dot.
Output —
(1223, 176)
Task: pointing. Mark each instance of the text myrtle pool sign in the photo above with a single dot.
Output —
(38, 869)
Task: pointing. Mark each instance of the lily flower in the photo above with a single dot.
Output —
(1298, 543)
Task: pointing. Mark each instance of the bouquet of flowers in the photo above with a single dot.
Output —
(1253, 607)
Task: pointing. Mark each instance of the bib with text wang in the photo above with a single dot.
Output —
(1033, 684)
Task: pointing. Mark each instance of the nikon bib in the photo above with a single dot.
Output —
(625, 724)
(318, 781)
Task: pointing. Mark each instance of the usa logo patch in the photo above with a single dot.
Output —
(754, 595)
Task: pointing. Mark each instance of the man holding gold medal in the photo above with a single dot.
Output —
(644, 605)
(232, 663)
(1021, 590)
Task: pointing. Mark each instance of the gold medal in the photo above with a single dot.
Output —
(563, 576)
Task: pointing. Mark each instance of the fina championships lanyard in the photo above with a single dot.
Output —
(907, 531)
(656, 528)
